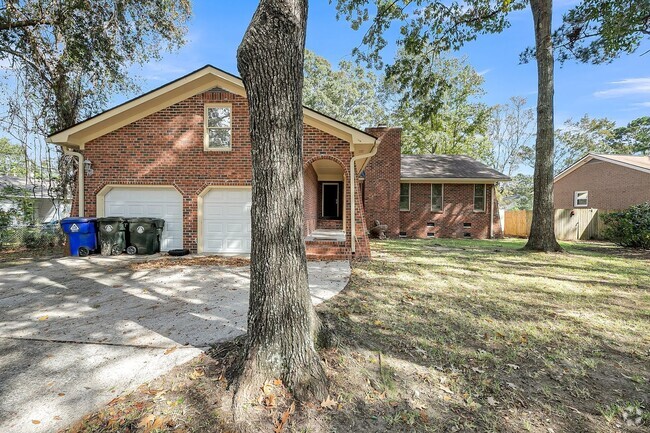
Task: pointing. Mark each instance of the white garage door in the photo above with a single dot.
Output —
(165, 203)
(227, 221)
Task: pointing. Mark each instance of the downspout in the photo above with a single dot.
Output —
(80, 171)
(353, 182)
(492, 213)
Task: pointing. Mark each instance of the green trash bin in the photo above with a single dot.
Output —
(112, 235)
(144, 235)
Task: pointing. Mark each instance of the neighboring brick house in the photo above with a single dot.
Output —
(182, 153)
(607, 182)
(420, 196)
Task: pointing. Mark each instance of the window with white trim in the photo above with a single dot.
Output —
(581, 198)
(479, 197)
(404, 196)
(437, 192)
(218, 127)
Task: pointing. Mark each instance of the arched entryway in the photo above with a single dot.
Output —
(326, 200)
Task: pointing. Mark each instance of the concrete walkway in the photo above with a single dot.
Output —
(76, 333)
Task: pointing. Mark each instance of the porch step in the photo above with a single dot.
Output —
(327, 250)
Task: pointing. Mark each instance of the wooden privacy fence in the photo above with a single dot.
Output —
(570, 224)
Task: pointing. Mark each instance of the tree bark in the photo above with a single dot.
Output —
(282, 322)
(542, 232)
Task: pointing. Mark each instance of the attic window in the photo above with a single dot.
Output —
(431, 224)
(218, 127)
(467, 225)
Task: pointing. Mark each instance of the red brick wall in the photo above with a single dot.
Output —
(166, 148)
(458, 209)
(610, 186)
(381, 185)
(311, 199)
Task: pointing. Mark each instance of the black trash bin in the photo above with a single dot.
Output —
(144, 235)
(112, 235)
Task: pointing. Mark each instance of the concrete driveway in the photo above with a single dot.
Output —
(76, 333)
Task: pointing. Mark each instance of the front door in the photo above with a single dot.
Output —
(330, 203)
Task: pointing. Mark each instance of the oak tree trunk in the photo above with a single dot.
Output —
(542, 231)
(281, 318)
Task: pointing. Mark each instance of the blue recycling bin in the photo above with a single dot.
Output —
(82, 235)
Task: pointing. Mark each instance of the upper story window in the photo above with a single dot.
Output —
(581, 199)
(437, 192)
(218, 127)
(479, 197)
(404, 196)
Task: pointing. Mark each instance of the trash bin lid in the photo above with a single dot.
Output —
(142, 220)
(111, 220)
(71, 220)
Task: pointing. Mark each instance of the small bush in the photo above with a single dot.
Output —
(39, 238)
(629, 228)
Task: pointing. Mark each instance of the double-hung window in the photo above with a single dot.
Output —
(437, 192)
(581, 199)
(479, 197)
(218, 127)
(404, 196)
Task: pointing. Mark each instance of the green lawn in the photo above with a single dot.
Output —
(451, 336)
(479, 335)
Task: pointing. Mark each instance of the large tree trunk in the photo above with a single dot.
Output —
(281, 318)
(542, 231)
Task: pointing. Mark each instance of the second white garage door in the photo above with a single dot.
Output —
(158, 202)
(227, 221)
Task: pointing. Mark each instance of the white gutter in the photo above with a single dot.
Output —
(80, 173)
(492, 213)
(353, 177)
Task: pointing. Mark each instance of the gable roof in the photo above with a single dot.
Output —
(196, 82)
(447, 167)
(634, 162)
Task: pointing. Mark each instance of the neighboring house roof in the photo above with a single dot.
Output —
(634, 162)
(196, 82)
(34, 189)
(459, 168)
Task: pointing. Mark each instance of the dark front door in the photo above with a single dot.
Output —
(331, 200)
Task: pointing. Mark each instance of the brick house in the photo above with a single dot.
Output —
(423, 196)
(608, 182)
(182, 153)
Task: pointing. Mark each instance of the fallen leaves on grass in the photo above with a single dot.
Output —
(166, 262)
(329, 403)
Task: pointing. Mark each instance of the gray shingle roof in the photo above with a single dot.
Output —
(447, 167)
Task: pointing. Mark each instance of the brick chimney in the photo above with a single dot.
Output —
(381, 184)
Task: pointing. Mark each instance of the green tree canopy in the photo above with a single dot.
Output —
(578, 138)
(73, 55)
(446, 117)
(352, 94)
(599, 31)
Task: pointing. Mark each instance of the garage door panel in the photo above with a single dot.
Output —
(165, 203)
(226, 221)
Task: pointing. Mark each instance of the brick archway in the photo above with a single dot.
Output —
(321, 181)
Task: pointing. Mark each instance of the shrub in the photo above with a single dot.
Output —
(629, 228)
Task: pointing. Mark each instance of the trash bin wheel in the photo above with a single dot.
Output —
(131, 250)
(116, 250)
(83, 252)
